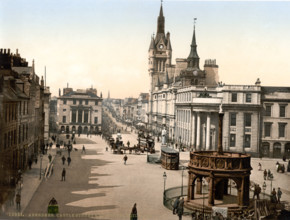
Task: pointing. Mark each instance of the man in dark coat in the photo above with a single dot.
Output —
(175, 205)
(18, 200)
(63, 159)
(63, 174)
(180, 208)
(68, 161)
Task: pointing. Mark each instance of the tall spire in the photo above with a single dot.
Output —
(160, 22)
(193, 58)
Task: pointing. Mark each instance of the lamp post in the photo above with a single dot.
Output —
(202, 188)
(182, 180)
(40, 166)
(271, 177)
(164, 178)
(264, 188)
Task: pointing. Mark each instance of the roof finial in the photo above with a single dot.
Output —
(153, 34)
(161, 2)
(194, 22)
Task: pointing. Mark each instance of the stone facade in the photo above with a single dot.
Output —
(22, 115)
(79, 111)
(275, 127)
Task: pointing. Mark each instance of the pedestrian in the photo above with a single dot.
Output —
(277, 166)
(18, 200)
(269, 173)
(63, 159)
(68, 161)
(128, 143)
(265, 174)
(288, 167)
(193, 216)
(134, 215)
(84, 149)
(274, 196)
(279, 194)
(180, 208)
(283, 168)
(49, 157)
(63, 174)
(125, 159)
(260, 166)
(175, 205)
(29, 163)
(35, 159)
(257, 191)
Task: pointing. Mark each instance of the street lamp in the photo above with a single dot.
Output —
(264, 188)
(271, 177)
(40, 166)
(202, 188)
(164, 177)
(182, 180)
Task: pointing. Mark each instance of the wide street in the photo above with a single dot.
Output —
(100, 185)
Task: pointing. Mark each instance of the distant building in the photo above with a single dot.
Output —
(79, 111)
(142, 108)
(53, 125)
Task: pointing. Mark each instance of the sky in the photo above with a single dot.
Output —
(104, 43)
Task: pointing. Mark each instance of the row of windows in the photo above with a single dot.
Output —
(247, 119)
(10, 138)
(282, 110)
(247, 140)
(281, 129)
(85, 120)
(80, 101)
(10, 112)
(248, 97)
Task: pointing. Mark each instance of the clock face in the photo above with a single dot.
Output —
(161, 46)
(195, 73)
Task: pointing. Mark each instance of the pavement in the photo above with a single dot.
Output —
(29, 186)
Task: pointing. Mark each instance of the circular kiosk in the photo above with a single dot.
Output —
(215, 169)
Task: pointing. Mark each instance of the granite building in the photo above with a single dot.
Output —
(79, 111)
(22, 122)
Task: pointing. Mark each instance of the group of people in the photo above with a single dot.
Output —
(276, 196)
(267, 174)
(280, 167)
(178, 207)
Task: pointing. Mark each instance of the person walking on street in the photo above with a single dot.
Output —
(125, 159)
(274, 196)
(180, 209)
(175, 205)
(63, 159)
(265, 174)
(279, 194)
(84, 149)
(49, 157)
(260, 166)
(63, 174)
(133, 215)
(29, 163)
(18, 200)
(68, 161)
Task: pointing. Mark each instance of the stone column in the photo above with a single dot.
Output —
(211, 191)
(70, 116)
(198, 131)
(207, 132)
(193, 130)
(89, 116)
(83, 118)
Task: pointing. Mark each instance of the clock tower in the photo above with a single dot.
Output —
(160, 52)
